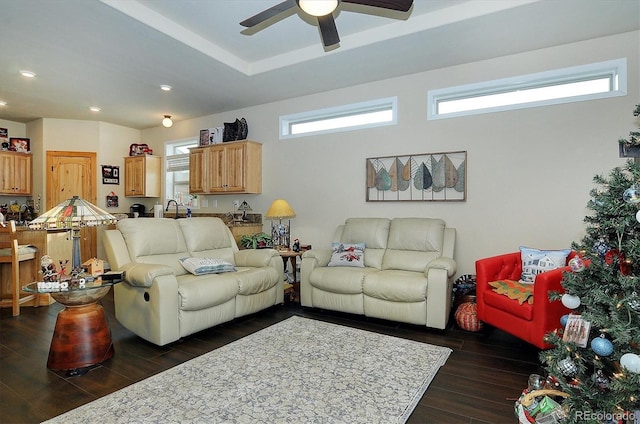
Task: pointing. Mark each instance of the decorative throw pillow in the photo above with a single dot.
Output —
(347, 254)
(514, 290)
(535, 261)
(201, 266)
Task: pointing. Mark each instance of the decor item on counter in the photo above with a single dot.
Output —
(237, 130)
(94, 266)
(280, 232)
(244, 207)
(4, 139)
(211, 136)
(256, 241)
(110, 174)
(139, 150)
(381, 379)
(73, 214)
(19, 144)
(167, 122)
(424, 177)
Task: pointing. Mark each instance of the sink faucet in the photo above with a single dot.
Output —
(169, 204)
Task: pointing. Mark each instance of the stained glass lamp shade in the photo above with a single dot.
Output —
(73, 214)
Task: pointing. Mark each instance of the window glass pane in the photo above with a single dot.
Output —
(177, 173)
(578, 83)
(369, 114)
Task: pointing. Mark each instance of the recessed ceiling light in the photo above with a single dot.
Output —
(3, 103)
(28, 74)
(165, 87)
(94, 109)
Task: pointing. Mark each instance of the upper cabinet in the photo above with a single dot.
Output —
(142, 176)
(233, 167)
(15, 173)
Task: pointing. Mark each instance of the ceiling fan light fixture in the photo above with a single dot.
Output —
(167, 122)
(318, 7)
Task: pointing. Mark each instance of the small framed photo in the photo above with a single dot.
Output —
(20, 144)
(205, 138)
(110, 174)
(577, 330)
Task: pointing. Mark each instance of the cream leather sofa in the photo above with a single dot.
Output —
(407, 275)
(161, 302)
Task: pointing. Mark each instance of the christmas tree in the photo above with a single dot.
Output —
(600, 368)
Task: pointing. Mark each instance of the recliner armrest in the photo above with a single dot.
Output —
(448, 264)
(321, 256)
(255, 257)
(142, 275)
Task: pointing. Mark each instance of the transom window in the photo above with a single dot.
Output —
(578, 83)
(354, 116)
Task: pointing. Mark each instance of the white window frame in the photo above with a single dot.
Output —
(614, 70)
(351, 110)
(186, 200)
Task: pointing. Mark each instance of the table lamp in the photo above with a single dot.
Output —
(280, 232)
(244, 207)
(73, 214)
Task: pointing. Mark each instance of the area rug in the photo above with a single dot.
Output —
(297, 371)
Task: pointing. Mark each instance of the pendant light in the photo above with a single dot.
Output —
(167, 122)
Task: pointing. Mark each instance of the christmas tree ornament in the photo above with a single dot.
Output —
(576, 264)
(631, 195)
(638, 216)
(570, 301)
(600, 380)
(564, 319)
(631, 362)
(602, 346)
(634, 303)
(601, 247)
(567, 367)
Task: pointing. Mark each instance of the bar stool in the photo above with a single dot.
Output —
(12, 253)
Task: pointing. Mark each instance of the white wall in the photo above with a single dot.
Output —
(529, 171)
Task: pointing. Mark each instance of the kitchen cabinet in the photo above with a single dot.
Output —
(142, 176)
(234, 167)
(15, 173)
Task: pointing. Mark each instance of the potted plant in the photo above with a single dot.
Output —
(631, 148)
(256, 241)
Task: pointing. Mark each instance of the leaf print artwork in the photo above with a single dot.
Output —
(423, 177)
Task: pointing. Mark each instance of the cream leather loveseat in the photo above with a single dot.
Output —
(407, 275)
(162, 302)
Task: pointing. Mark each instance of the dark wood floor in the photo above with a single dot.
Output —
(483, 375)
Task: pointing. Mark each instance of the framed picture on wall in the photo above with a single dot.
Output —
(19, 144)
(110, 174)
(422, 177)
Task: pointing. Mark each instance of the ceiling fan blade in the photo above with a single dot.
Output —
(401, 5)
(268, 13)
(328, 30)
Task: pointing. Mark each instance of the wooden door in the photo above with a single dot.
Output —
(6, 173)
(216, 169)
(134, 176)
(22, 173)
(197, 171)
(235, 163)
(73, 174)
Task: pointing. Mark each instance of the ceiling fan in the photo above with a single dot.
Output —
(323, 10)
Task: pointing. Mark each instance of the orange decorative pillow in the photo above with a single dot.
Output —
(514, 290)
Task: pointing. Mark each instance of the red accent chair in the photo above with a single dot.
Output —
(529, 322)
